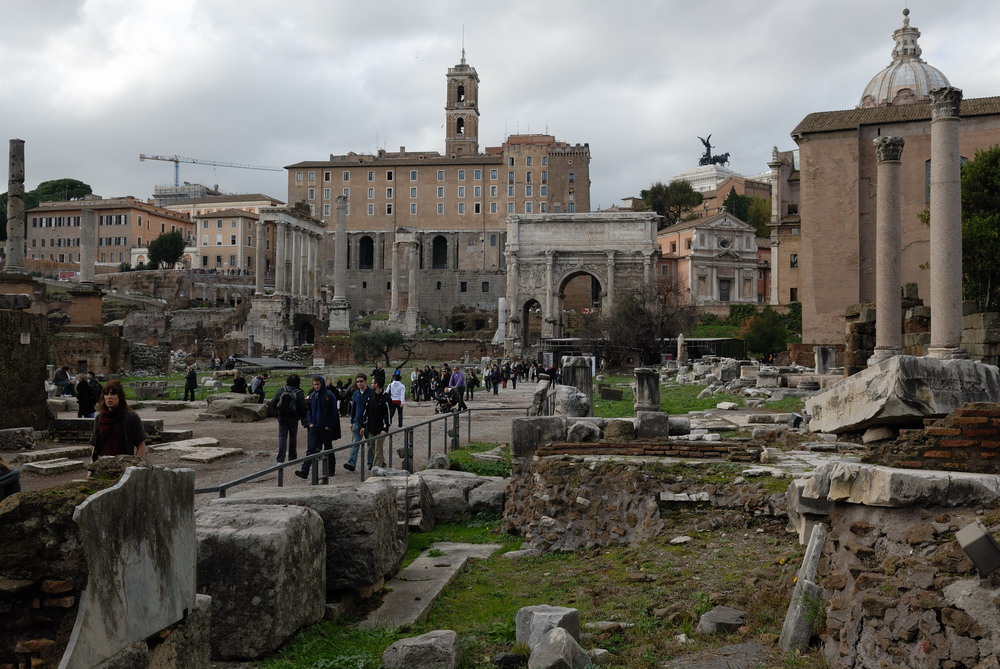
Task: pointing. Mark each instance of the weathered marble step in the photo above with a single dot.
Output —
(184, 444)
(175, 435)
(51, 454)
(208, 454)
(56, 466)
(210, 416)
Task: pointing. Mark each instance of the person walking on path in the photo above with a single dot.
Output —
(415, 383)
(397, 398)
(85, 397)
(471, 383)
(190, 383)
(323, 421)
(117, 429)
(376, 422)
(289, 403)
(360, 400)
(458, 383)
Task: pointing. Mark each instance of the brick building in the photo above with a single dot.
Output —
(456, 204)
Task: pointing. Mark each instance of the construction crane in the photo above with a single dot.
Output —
(177, 160)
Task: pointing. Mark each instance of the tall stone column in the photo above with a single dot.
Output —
(946, 225)
(260, 261)
(609, 300)
(313, 266)
(340, 308)
(888, 243)
(296, 260)
(15, 209)
(279, 257)
(512, 306)
(88, 245)
(304, 263)
(394, 284)
(413, 292)
(549, 322)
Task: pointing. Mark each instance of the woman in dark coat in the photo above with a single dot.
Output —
(190, 383)
(117, 429)
(239, 383)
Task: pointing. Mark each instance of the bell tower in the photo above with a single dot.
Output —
(462, 110)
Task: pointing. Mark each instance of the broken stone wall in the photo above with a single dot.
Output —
(981, 337)
(139, 358)
(86, 347)
(24, 342)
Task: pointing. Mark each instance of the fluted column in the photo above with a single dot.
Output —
(296, 260)
(313, 267)
(279, 256)
(946, 225)
(412, 298)
(15, 209)
(609, 299)
(260, 263)
(888, 243)
(304, 263)
(340, 260)
(394, 281)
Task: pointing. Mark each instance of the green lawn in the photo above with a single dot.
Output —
(676, 400)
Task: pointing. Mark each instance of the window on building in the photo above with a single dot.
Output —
(794, 232)
(477, 175)
(460, 126)
(528, 207)
(510, 207)
(486, 286)
(413, 191)
(232, 261)
(371, 193)
(311, 194)
(528, 190)
(510, 161)
(312, 177)
(461, 191)
(440, 208)
(461, 175)
(218, 240)
(688, 243)
(477, 191)
(545, 160)
(477, 208)
(528, 161)
(298, 177)
(461, 207)
(388, 208)
(440, 191)
(347, 193)
(440, 175)
(793, 260)
(413, 208)
(371, 175)
(327, 175)
(543, 207)
(371, 209)
(510, 191)
(463, 286)
(232, 240)
(218, 224)
(493, 240)
(204, 240)
(413, 175)
(388, 175)
(673, 247)
(543, 191)
(510, 177)
(204, 224)
(493, 207)
(545, 176)
(366, 253)
(346, 176)
(439, 253)
(494, 175)
(388, 193)
(793, 294)
(493, 191)
(327, 193)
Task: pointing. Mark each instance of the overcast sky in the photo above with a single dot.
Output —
(91, 84)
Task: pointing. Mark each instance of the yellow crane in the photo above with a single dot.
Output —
(177, 160)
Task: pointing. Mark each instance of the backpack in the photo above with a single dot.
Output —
(286, 401)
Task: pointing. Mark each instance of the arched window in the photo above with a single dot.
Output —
(461, 93)
(366, 253)
(439, 253)
(460, 126)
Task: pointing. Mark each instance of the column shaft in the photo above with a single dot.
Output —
(888, 243)
(259, 261)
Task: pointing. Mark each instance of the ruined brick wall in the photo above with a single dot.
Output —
(567, 503)
(140, 358)
(24, 342)
(967, 440)
(336, 350)
(892, 582)
(96, 349)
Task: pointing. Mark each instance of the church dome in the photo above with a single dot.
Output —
(908, 79)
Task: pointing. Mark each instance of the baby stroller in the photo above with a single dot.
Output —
(445, 404)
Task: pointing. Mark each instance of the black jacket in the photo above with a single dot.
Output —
(376, 416)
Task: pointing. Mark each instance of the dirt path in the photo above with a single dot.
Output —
(491, 419)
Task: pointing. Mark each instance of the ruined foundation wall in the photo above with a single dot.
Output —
(24, 342)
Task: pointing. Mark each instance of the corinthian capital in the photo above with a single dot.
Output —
(888, 148)
(945, 102)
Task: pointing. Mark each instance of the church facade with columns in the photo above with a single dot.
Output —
(424, 231)
(837, 169)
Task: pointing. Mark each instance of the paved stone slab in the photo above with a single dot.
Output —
(50, 454)
(211, 416)
(56, 466)
(414, 588)
(206, 455)
(176, 435)
(198, 442)
(739, 656)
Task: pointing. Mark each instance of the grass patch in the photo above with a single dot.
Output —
(463, 457)
(334, 645)
(483, 528)
(673, 400)
(786, 404)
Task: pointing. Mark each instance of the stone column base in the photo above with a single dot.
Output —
(340, 316)
(883, 354)
(942, 353)
(411, 322)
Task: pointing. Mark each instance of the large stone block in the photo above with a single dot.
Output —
(222, 403)
(263, 565)
(413, 495)
(450, 492)
(558, 650)
(434, 650)
(489, 496)
(139, 541)
(527, 434)
(652, 425)
(532, 623)
(571, 402)
(874, 485)
(247, 413)
(902, 390)
(362, 542)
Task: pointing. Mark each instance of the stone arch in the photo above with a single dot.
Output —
(366, 253)
(439, 252)
(529, 328)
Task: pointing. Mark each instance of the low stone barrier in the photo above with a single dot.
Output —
(725, 450)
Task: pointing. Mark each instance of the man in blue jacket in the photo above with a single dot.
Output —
(323, 421)
(360, 399)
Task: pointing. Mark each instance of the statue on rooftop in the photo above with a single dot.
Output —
(706, 159)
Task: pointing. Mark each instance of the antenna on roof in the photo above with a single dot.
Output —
(463, 44)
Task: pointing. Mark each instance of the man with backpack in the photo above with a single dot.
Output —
(323, 420)
(289, 404)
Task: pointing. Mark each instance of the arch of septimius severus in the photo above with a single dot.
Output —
(546, 251)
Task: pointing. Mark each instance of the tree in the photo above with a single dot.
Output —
(642, 319)
(375, 345)
(47, 191)
(166, 249)
(981, 228)
(737, 205)
(766, 333)
(759, 215)
(671, 201)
